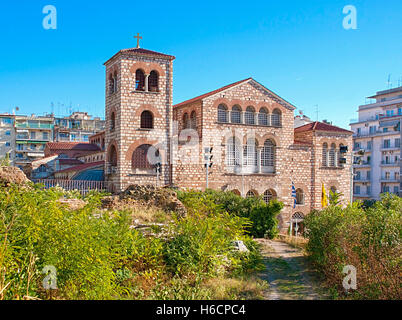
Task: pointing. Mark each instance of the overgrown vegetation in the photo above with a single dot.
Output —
(99, 255)
(366, 237)
(261, 215)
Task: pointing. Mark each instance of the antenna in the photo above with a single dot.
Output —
(316, 110)
(389, 81)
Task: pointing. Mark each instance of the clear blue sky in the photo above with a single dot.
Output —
(298, 49)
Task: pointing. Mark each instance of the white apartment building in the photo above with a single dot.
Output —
(7, 137)
(378, 133)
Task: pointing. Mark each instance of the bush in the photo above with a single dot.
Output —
(262, 216)
(98, 255)
(370, 240)
(204, 246)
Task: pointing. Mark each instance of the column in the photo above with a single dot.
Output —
(146, 82)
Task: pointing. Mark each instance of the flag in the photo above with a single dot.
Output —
(324, 200)
(294, 195)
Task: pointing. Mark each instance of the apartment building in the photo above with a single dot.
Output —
(7, 137)
(31, 135)
(77, 127)
(378, 133)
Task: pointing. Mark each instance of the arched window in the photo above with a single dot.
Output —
(236, 192)
(222, 113)
(113, 156)
(145, 157)
(233, 152)
(249, 115)
(185, 121)
(338, 156)
(276, 119)
(268, 155)
(325, 155)
(147, 120)
(153, 81)
(250, 156)
(235, 116)
(112, 121)
(111, 84)
(251, 194)
(263, 117)
(193, 120)
(332, 155)
(115, 82)
(139, 80)
(299, 196)
(269, 195)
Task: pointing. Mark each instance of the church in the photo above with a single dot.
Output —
(239, 138)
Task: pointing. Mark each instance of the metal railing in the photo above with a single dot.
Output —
(83, 186)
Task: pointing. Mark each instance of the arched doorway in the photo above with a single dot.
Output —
(297, 224)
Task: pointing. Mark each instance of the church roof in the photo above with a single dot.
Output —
(206, 95)
(320, 126)
(81, 146)
(143, 52)
(270, 93)
(83, 166)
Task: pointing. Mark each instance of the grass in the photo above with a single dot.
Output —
(250, 288)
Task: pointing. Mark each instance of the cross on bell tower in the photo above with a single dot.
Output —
(138, 37)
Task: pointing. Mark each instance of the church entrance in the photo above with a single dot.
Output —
(297, 225)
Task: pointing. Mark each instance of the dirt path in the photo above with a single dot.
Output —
(288, 273)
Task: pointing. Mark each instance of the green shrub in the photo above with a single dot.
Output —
(98, 255)
(370, 240)
(204, 245)
(262, 216)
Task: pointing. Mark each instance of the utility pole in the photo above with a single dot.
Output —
(208, 163)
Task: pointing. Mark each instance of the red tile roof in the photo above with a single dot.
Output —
(65, 162)
(300, 142)
(206, 95)
(83, 166)
(79, 146)
(320, 126)
(143, 52)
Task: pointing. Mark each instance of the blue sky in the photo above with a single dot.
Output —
(298, 49)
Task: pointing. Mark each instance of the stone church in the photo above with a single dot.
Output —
(238, 138)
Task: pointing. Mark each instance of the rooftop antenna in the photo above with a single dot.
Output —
(389, 81)
(316, 110)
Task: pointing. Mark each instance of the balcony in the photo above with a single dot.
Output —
(390, 147)
(34, 125)
(364, 164)
(362, 195)
(361, 179)
(390, 179)
(390, 163)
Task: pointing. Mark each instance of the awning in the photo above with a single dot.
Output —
(21, 142)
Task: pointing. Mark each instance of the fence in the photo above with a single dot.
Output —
(83, 186)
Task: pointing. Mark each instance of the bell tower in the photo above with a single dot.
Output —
(139, 85)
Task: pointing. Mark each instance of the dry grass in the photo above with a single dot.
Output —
(296, 242)
(251, 288)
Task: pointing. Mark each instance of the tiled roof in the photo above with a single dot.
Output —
(206, 95)
(320, 126)
(79, 146)
(83, 166)
(300, 142)
(65, 162)
(143, 52)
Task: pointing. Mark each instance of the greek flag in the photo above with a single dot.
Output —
(294, 195)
